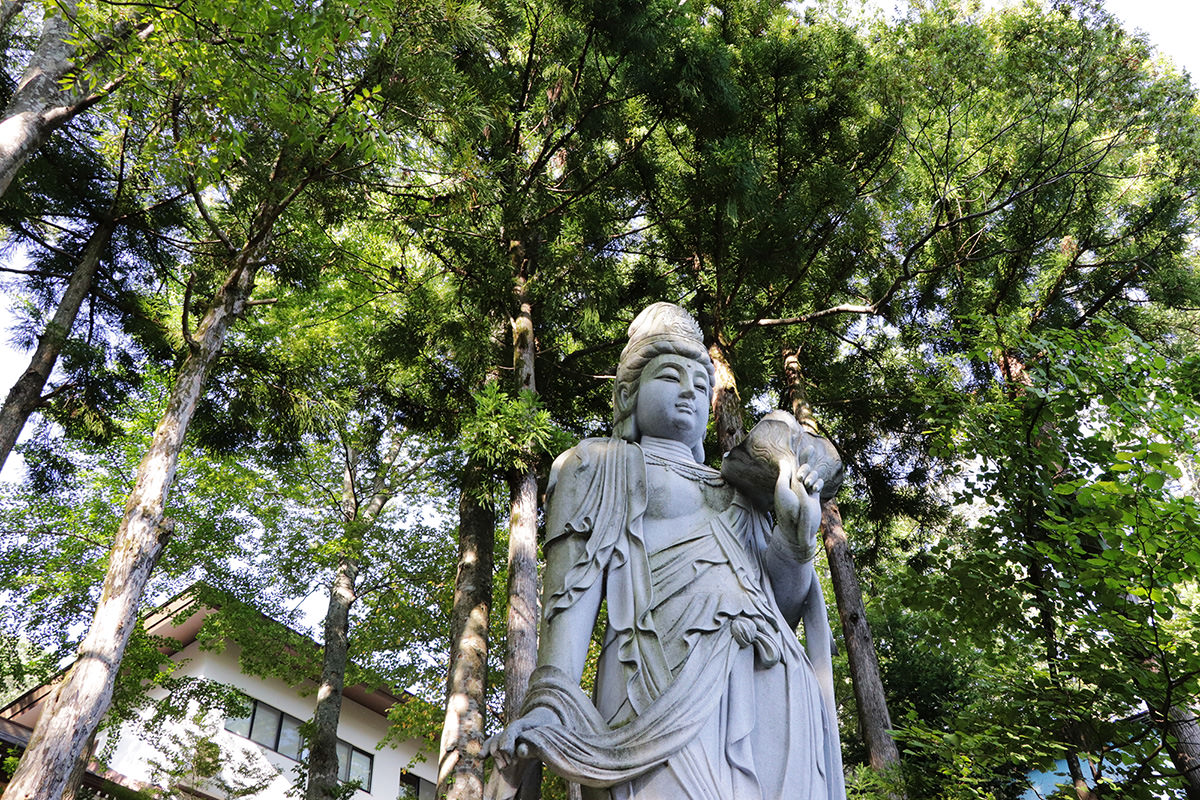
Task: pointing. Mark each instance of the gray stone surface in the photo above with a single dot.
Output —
(702, 688)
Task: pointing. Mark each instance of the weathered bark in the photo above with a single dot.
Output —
(322, 754)
(48, 95)
(520, 657)
(75, 781)
(39, 104)
(322, 759)
(727, 403)
(1183, 736)
(460, 762)
(1080, 784)
(8, 10)
(79, 702)
(26, 394)
(875, 723)
(323, 762)
(874, 720)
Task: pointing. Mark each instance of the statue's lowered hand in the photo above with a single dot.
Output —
(506, 746)
(512, 756)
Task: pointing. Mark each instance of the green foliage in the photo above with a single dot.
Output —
(1070, 587)
(510, 431)
(976, 224)
(192, 758)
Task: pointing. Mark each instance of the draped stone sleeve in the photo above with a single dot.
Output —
(596, 489)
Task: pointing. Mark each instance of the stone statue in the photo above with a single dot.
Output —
(703, 691)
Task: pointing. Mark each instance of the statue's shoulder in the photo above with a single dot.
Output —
(580, 480)
(580, 461)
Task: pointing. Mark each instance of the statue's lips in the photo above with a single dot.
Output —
(686, 407)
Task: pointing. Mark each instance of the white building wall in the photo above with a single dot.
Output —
(359, 726)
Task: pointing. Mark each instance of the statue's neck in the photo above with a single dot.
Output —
(668, 448)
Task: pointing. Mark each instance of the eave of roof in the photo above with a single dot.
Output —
(170, 621)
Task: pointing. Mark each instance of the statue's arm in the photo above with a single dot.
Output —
(567, 632)
(818, 642)
(791, 582)
(793, 544)
(566, 629)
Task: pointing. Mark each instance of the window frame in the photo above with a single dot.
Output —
(281, 717)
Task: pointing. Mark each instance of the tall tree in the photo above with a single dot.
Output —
(59, 82)
(545, 200)
(1046, 200)
(302, 150)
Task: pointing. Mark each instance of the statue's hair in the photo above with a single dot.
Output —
(661, 329)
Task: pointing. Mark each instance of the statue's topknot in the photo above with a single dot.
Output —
(661, 321)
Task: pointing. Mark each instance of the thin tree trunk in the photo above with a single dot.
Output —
(8, 10)
(323, 765)
(323, 760)
(520, 657)
(1082, 790)
(26, 393)
(39, 104)
(460, 763)
(78, 704)
(874, 720)
(727, 403)
(1183, 734)
(875, 723)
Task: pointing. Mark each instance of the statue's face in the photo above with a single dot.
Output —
(673, 399)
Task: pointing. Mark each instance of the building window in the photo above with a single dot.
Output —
(280, 732)
(410, 786)
(354, 765)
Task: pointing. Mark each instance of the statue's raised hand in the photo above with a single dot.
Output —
(798, 504)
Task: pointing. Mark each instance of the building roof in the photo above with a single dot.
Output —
(177, 622)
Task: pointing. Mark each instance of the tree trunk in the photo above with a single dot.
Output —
(521, 654)
(874, 720)
(323, 765)
(322, 753)
(323, 760)
(727, 404)
(39, 104)
(8, 10)
(78, 704)
(1183, 734)
(520, 657)
(460, 763)
(1082, 790)
(26, 393)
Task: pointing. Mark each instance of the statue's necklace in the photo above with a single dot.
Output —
(685, 469)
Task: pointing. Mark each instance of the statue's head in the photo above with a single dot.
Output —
(662, 335)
